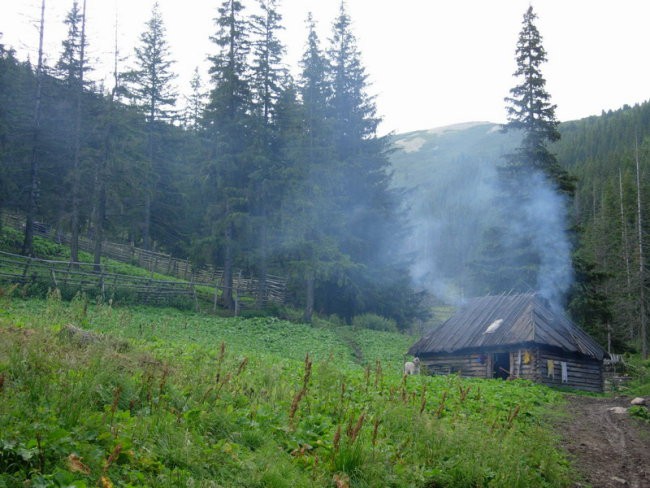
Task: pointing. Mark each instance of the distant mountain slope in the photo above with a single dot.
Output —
(449, 178)
(420, 155)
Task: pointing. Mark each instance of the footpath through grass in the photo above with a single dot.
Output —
(167, 398)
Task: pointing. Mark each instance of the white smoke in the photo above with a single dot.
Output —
(546, 225)
(452, 211)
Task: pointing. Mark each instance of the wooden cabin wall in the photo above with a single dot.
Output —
(470, 365)
(528, 367)
(583, 373)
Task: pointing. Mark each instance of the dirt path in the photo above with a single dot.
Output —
(609, 449)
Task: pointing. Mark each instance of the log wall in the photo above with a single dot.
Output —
(526, 363)
(470, 365)
(583, 373)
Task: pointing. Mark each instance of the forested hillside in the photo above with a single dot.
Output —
(254, 171)
(610, 158)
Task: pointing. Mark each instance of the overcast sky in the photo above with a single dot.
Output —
(431, 62)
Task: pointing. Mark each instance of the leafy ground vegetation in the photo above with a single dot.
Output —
(150, 397)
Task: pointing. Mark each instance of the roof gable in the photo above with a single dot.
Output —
(525, 318)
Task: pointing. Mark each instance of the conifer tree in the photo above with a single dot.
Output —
(516, 254)
(310, 215)
(530, 110)
(34, 173)
(150, 85)
(72, 66)
(195, 103)
(228, 122)
(267, 79)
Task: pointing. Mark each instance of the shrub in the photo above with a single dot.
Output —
(374, 322)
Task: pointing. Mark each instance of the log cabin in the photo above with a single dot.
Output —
(513, 336)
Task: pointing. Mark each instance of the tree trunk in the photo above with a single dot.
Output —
(642, 312)
(309, 301)
(32, 202)
(76, 170)
(626, 249)
(227, 269)
(146, 227)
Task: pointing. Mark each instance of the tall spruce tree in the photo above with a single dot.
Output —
(34, 172)
(267, 79)
(310, 216)
(72, 67)
(367, 207)
(228, 124)
(195, 102)
(151, 87)
(517, 253)
(530, 111)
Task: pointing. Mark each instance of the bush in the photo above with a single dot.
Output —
(374, 322)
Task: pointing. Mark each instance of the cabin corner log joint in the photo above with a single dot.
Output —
(513, 336)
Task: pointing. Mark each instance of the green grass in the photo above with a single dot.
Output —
(163, 403)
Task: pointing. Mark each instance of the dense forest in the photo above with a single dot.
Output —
(609, 155)
(254, 170)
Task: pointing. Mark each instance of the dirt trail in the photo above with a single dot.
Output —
(609, 449)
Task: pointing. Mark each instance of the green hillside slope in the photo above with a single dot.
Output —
(96, 396)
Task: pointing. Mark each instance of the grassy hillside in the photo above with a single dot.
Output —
(421, 155)
(165, 398)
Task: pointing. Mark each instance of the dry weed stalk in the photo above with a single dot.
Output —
(375, 430)
(75, 464)
(378, 374)
(353, 432)
(441, 407)
(220, 358)
(163, 380)
(403, 392)
(464, 392)
(117, 393)
(111, 459)
(513, 416)
(242, 366)
(2, 382)
(341, 480)
(423, 402)
(337, 439)
(367, 377)
(303, 391)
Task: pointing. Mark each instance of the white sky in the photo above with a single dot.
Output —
(431, 62)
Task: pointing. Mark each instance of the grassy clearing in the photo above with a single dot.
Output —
(190, 400)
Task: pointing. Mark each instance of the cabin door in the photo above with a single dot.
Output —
(501, 365)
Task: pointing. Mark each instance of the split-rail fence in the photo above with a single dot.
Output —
(246, 288)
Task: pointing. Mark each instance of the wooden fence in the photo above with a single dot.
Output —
(71, 278)
(157, 262)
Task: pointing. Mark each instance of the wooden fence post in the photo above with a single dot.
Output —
(53, 277)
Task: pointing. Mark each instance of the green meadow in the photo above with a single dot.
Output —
(93, 395)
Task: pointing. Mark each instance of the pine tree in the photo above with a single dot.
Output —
(268, 77)
(72, 66)
(310, 213)
(195, 103)
(228, 122)
(517, 255)
(150, 85)
(369, 228)
(34, 173)
(530, 110)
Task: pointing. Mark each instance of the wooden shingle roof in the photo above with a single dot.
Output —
(516, 319)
